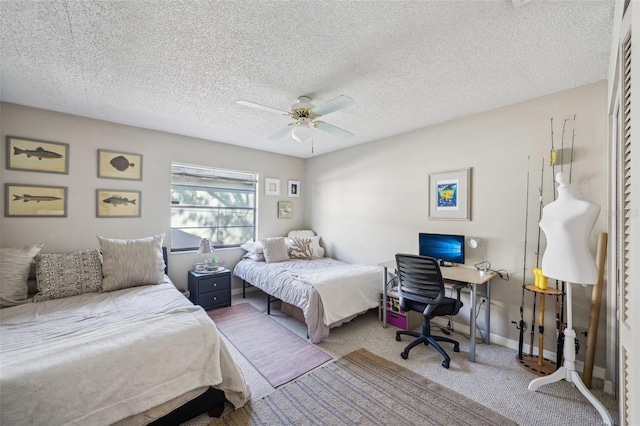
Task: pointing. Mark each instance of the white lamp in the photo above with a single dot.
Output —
(302, 132)
(475, 243)
(205, 248)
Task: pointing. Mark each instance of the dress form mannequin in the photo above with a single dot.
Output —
(567, 223)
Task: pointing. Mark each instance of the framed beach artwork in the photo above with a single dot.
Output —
(119, 165)
(117, 203)
(271, 186)
(450, 195)
(35, 200)
(294, 188)
(37, 156)
(285, 209)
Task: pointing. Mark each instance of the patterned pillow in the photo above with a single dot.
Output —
(15, 263)
(301, 248)
(275, 250)
(64, 275)
(131, 263)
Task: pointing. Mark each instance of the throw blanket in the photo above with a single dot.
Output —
(329, 282)
(99, 358)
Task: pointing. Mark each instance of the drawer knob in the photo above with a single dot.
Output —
(215, 298)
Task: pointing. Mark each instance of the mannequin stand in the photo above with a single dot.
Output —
(568, 370)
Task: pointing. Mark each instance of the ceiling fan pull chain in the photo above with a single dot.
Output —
(312, 146)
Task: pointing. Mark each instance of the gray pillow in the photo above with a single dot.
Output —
(64, 275)
(131, 263)
(15, 263)
(275, 250)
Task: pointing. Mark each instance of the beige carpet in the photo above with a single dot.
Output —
(265, 343)
(363, 388)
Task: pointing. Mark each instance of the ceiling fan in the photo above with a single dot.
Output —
(305, 114)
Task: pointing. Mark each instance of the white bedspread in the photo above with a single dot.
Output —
(291, 281)
(100, 358)
(331, 284)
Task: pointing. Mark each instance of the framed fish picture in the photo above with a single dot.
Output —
(450, 195)
(35, 200)
(37, 156)
(119, 165)
(117, 203)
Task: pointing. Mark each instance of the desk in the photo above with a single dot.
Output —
(462, 274)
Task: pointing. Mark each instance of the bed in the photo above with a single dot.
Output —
(125, 356)
(323, 292)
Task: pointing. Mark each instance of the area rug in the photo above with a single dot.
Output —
(363, 388)
(276, 352)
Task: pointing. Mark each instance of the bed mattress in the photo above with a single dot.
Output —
(329, 292)
(102, 358)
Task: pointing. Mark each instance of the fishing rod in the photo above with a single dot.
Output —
(523, 325)
(533, 314)
(573, 137)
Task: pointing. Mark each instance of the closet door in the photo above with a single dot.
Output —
(626, 226)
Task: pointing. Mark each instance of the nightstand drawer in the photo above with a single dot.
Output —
(215, 299)
(207, 285)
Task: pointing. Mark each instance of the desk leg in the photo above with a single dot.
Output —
(472, 325)
(384, 298)
(487, 315)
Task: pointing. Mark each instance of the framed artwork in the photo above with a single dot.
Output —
(35, 200)
(450, 195)
(271, 186)
(294, 188)
(117, 203)
(37, 156)
(285, 209)
(119, 165)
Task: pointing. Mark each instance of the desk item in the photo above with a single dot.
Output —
(396, 317)
(421, 289)
(458, 274)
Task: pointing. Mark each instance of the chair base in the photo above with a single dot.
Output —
(428, 340)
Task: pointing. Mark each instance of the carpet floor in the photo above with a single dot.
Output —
(265, 343)
(363, 388)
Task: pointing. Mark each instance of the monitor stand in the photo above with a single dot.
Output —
(444, 264)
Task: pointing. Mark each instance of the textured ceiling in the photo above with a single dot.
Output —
(180, 66)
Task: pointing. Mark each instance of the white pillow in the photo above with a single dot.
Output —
(316, 250)
(275, 250)
(301, 234)
(257, 257)
(15, 263)
(130, 263)
(252, 247)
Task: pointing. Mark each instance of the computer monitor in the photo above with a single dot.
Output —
(444, 247)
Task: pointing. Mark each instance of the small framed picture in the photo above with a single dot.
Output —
(294, 188)
(285, 209)
(117, 203)
(35, 200)
(37, 156)
(271, 186)
(119, 165)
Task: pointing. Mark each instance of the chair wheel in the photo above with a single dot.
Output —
(456, 348)
(404, 355)
(445, 364)
(398, 339)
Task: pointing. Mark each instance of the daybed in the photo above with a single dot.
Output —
(101, 350)
(322, 291)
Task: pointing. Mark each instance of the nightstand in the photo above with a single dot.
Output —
(210, 290)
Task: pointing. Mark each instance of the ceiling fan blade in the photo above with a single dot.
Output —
(281, 133)
(329, 128)
(264, 107)
(333, 105)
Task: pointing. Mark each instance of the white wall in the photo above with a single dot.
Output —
(370, 202)
(85, 136)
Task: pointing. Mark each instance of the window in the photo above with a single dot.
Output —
(216, 204)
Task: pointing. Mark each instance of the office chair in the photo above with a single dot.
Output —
(421, 289)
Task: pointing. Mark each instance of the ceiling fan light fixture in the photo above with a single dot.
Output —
(301, 131)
